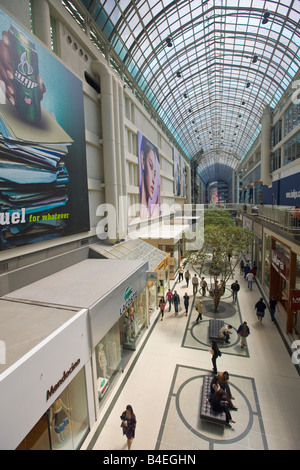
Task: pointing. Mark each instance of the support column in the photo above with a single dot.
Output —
(41, 19)
(109, 139)
(19, 10)
(266, 121)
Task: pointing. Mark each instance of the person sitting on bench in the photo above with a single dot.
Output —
(225, 333)
(220, 405)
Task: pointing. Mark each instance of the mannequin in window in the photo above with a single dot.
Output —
(102, 360)
(58, 414)
(133, 323)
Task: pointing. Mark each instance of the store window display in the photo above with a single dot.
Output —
(108, 359)
(133, 321)
(59, 418)
(65, 424)
(152, 295)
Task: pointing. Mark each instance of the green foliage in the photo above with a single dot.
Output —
(223, 244)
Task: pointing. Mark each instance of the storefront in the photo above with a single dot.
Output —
(284, 280)
(160, 265)
(45, 384)
(72, 331)
(65, 423)
(115, 348)
(117, 322)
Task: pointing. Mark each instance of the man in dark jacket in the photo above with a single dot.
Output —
(243, 331)
(260, 307)
(235, 287)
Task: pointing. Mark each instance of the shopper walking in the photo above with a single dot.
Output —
(176, 301)
(169, 296)
(187, 276)
(186, 301)
(199, 309)
(195, 282)
(272, 308)
(244, 332)
(250, 278)
(242, 265)
(128, 425)
(215, 352)
(235, 287)
(246, 270)
(162, 306)
(203, 286)
(260, 308)
(180, 274)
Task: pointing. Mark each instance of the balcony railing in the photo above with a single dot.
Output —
(287, 218)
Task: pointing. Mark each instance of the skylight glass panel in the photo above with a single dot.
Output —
(212, 45)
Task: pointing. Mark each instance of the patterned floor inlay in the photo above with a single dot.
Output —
(196, 335)
(183, 429)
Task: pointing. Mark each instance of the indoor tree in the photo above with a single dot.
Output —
(223, 244)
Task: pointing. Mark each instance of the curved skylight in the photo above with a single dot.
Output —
(208, 68)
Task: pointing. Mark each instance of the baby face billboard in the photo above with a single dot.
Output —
(149, 176)
(43, 177)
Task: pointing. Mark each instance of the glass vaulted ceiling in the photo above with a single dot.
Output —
(195, 63)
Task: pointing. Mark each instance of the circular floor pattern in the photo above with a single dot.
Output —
(196, 335)
(189, 393)
(225, 310)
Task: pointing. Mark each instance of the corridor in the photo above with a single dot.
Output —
(164, 378)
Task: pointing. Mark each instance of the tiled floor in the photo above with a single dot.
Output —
(163, 381)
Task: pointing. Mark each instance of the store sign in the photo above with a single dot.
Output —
(295, 299)
(280, 264)
(152, 276)
(65, 375)
(129, 297)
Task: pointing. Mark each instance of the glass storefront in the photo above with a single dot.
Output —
(65, 424)
(297, 286)
(133, 321)
(108, 360)
(113, 351)
(152, 296)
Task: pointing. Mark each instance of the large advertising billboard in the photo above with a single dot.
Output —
(149, 178)
(43, 176)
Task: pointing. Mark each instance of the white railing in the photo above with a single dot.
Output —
(283, 216)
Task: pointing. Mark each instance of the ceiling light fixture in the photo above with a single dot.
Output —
(169, 42)
(266, 17)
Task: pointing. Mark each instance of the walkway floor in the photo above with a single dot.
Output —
(163, 383)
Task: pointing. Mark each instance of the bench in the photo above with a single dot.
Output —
(214, 328)
(206, 412)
